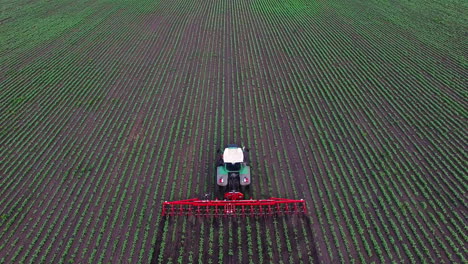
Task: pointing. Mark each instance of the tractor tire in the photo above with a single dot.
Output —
(219, 162)
(216, 191)
(247, 193)
(219, 192)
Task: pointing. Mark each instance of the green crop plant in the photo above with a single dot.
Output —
(363, 120)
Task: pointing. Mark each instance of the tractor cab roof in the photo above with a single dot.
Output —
(233, 155)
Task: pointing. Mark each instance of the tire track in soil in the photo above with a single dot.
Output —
(159, 240)
(310, 234)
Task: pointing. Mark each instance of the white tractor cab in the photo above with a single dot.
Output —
(232, 173)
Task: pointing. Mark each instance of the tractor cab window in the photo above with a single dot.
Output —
(233, 166)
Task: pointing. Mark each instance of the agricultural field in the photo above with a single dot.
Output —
(108, 108)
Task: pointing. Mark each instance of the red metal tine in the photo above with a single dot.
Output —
(198, 211)
(207, 211)
(278, 209)
(243, 211)
(180, 210)
(190, 210)
(228, 209)
(172, 210)
(235, 210)
(163, 213)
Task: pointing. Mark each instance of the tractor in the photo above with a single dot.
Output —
(232, 174)
(232, 193)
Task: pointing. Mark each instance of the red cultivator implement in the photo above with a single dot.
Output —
(218, 208)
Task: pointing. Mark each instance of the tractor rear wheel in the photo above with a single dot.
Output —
(246, 192)
(219, 192)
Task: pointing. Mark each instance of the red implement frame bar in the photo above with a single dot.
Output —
(217, 208)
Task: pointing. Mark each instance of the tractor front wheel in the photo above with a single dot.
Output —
(219, 162)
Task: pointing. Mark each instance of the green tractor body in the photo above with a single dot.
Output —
(233, 174)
